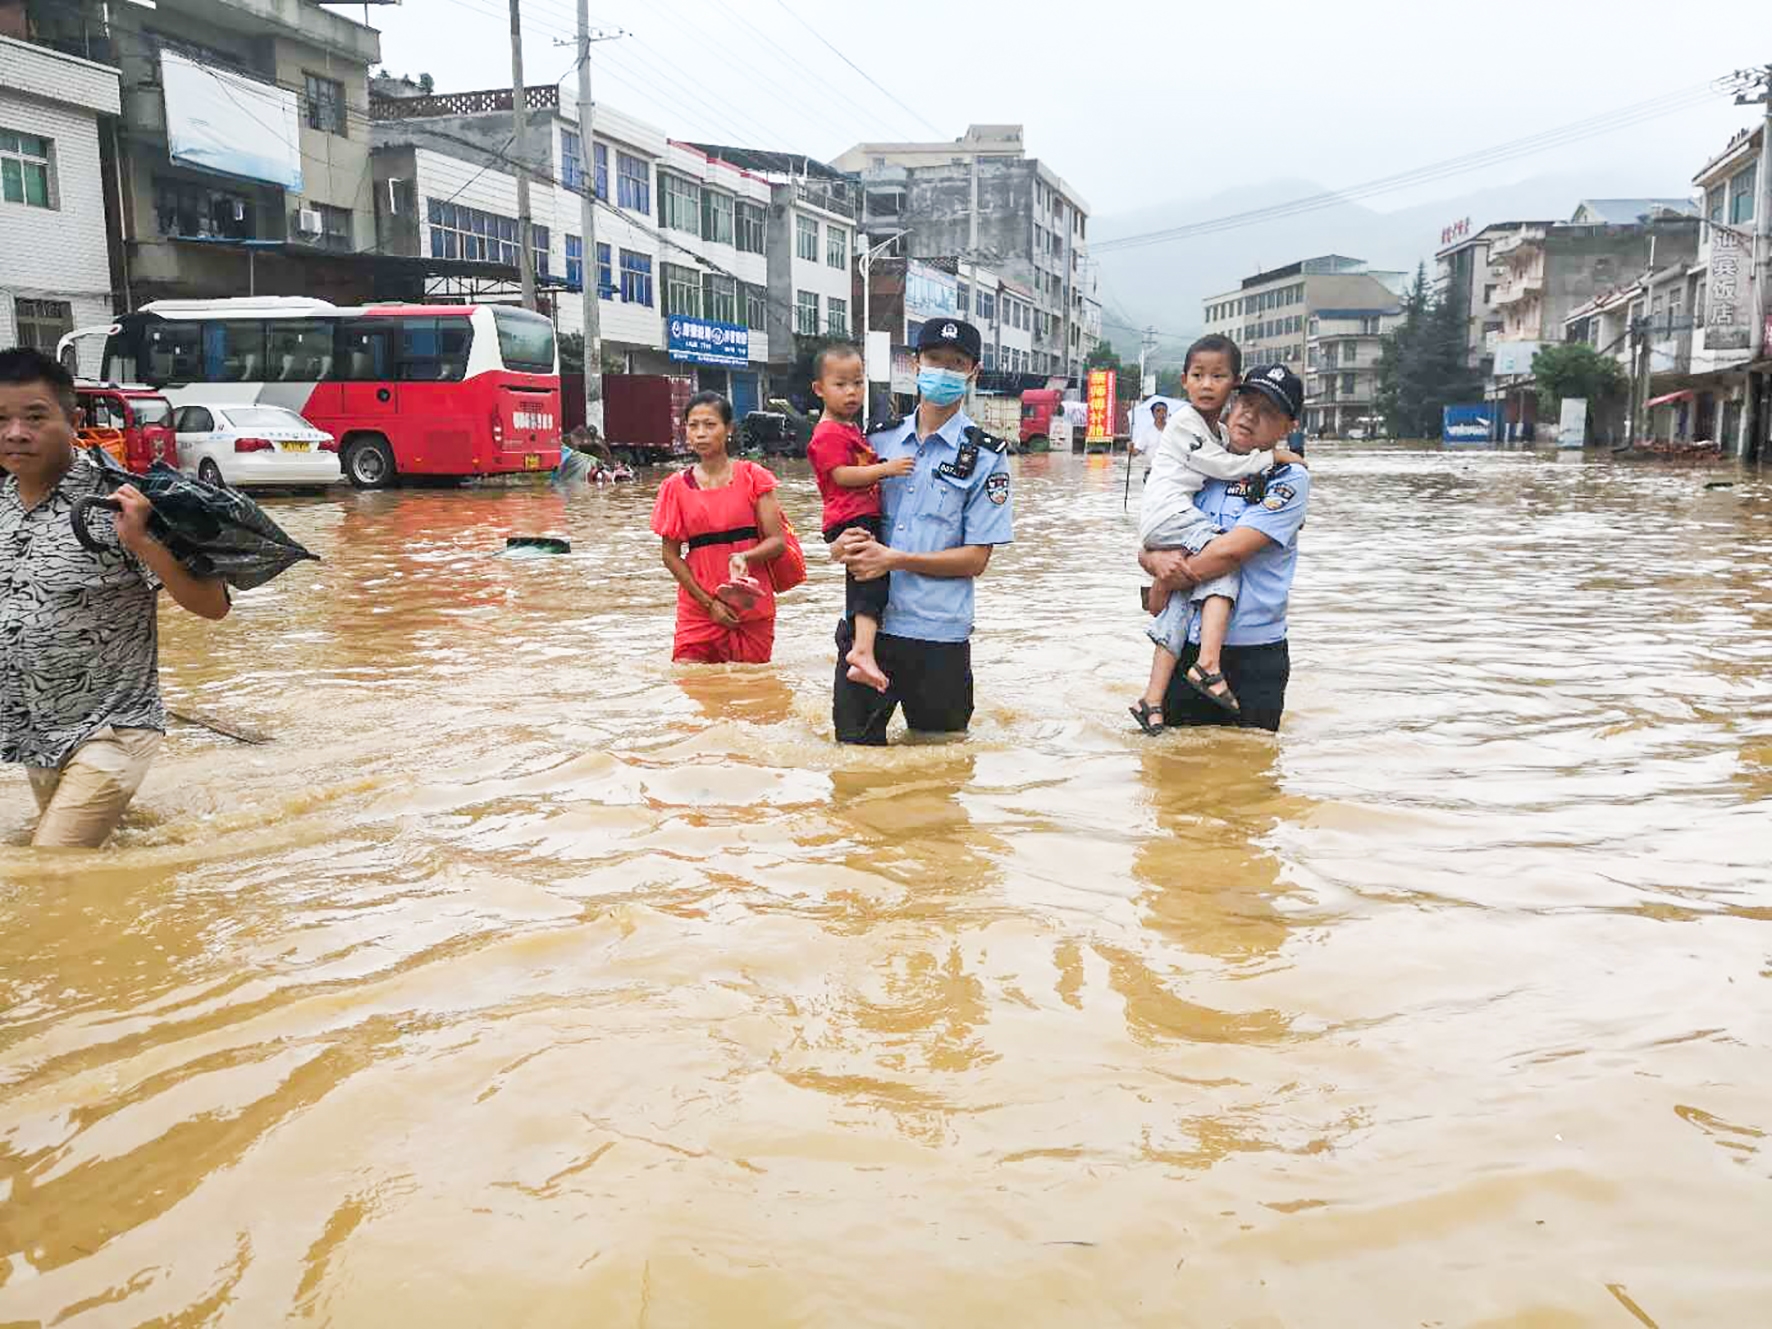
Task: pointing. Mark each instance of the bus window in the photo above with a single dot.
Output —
(525, 340)
(434, 350)
(233, 352)
(298, 350)
(365, 351)
(172, 353)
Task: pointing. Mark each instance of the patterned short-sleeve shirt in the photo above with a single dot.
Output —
(79, 639)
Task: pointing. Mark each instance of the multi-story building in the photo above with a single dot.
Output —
(1731, 363)
(1270, 316)
(55, 262)
(1548, 272)
(980, 199)
(242, 144)
(810, 243)
(1465, 272)
(1003, 312)
(1341, 379)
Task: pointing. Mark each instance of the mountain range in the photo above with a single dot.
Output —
(1162, 285)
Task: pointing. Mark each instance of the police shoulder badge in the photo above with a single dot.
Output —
(996, 487)
(1277, 497)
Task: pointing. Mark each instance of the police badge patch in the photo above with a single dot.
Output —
(1277, 497)
(996, 488)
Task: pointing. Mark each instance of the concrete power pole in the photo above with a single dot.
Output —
(1148, 344)
(589, 278)
(520, 144)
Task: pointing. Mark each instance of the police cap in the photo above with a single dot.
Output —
(955, 332)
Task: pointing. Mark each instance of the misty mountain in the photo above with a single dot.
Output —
(1163, 285)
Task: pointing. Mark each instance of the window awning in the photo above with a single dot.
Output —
(1684, 394)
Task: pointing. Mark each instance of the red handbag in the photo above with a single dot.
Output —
(788, 569)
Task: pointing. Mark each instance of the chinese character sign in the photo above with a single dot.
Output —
(1727, 310)
(1103, 405)
(701, 341)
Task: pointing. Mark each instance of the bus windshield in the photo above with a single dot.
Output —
(525, 340)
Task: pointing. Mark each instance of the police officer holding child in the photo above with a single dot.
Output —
(938, 526)
(1260, 518)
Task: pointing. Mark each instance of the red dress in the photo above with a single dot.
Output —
(685, 512)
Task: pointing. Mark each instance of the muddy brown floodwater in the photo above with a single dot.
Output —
(526, 980)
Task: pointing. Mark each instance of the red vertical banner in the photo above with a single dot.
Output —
(1103, 405)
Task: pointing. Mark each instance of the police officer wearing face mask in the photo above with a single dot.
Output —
(939, 525)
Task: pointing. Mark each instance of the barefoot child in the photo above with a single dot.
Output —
(1193, 449)
(849, 478)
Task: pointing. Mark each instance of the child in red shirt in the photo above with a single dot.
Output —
(849, 476)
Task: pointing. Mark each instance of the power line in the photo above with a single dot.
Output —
(858, 69)
(1681, 100)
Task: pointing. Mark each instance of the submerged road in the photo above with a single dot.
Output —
(528, 980)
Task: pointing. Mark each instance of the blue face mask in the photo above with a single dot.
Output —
(941, 387)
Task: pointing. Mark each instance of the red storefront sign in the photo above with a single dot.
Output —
(1103, 405)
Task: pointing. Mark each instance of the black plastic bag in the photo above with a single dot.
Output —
(211, 529)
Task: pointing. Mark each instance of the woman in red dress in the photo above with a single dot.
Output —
(719, 521)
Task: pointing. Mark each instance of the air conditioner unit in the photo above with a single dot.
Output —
(307, 221)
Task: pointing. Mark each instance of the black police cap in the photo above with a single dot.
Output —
(955, 332)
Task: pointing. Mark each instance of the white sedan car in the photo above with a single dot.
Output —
(248, 446)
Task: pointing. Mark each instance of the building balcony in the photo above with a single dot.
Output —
(832, 198)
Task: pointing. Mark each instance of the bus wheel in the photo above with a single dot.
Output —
(369, 462)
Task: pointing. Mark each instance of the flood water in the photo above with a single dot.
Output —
(528, 980)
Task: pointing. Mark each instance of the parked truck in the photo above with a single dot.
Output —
(1038, 406)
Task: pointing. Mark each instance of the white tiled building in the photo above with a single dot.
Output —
(55, 265)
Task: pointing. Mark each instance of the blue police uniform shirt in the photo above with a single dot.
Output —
(1259, 616)
(933, 509)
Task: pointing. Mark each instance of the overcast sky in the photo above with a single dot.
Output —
(1139, 103)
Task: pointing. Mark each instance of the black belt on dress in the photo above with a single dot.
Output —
(731, 537)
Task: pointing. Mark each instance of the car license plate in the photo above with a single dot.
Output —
(297, 447)
(532, 461)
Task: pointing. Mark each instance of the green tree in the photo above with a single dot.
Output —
(1126, 382)
(1422, 367)
(1576, 369)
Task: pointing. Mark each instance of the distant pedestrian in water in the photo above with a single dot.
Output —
(720, 523)
(80, 705)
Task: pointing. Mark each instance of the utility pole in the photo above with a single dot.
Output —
(1145, 347)
(590, 281)
(520, 144)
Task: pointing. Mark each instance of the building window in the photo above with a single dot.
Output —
(335, 227)
(750, 228)
(572, 167)
(836, 247)
(24, 170)
(838, 317)
(806, 313)
(963, 300)
(1713, 203)
(716, 218)
(756, 308)
(987, 306)
(575, 263)
(183, 209)
(806, 238)
(1741, 196)
(325, 104)
(463, 232)
(633, 180)
(719, 298)
(1347, 385)
(43, 323)
(682, 291)
(679, 204)
(636, 275)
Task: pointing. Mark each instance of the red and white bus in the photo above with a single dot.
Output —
(407, 390)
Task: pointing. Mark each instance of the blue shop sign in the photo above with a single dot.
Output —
(702, 342)
(1467, 424)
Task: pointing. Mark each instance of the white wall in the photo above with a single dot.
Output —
(56, 253)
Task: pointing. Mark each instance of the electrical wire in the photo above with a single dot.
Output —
(915, 114)
(1654, 108)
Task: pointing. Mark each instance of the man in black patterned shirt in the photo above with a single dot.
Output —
(79, 644)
